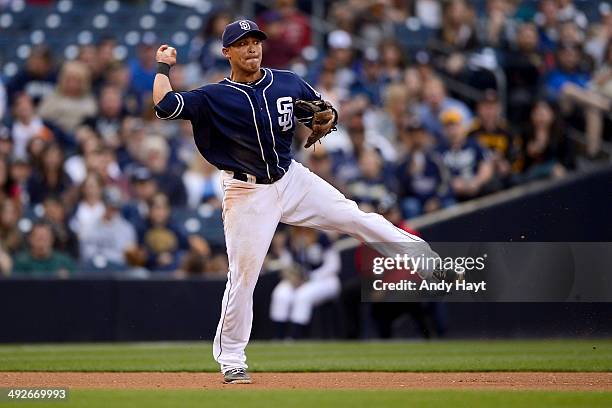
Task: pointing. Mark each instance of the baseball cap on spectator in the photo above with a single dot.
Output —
(451, 117)
(339, 39)
(141, 174)
(239, 29)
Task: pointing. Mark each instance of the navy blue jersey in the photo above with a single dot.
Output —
(464, 161)
(243, 127)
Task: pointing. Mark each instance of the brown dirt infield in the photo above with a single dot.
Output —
(336, 380)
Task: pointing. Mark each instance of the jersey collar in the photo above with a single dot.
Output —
(264, 80)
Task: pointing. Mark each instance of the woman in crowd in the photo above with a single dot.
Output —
(72, 100)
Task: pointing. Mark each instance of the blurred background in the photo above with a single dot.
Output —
(459, 121)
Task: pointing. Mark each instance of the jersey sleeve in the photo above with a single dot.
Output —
(187, 105)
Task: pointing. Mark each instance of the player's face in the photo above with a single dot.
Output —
(245, 54)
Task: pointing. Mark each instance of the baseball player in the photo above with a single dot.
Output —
(244, 126)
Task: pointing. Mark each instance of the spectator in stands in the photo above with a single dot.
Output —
(568, 71)
(434, 103)
(341, 58)
(312, 280)
(491, 130)
(288, 32)
(329, 89)
(143, 68)
(20, 171)
(277, 53)
(144, 188)
(320, 162)
(41, 259)
(90, 207)
(55, 214)
(370, 82)
(27, 125)
(457, 31)
(38, 77)
(11, 237)
(76, 165)
(202, 184)
(456, 36)
(130, 153)
(546, 149)
(497, 28)
(206, 47)
(346, 162)
(168, 179)
(163, 241)
(370, 186)
(105, 242)
(393, 62)
(99, 58)
(469, 163)
(107, 122)
(72, 100)
(49, 177)
(568, 12)
(523, 65)
(547, 20)
(118, 76)
(422, 177)
(397, 103)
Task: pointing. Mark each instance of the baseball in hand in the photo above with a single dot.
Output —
(166, 54)
(170, 52)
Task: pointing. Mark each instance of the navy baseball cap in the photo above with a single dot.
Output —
(241, 28)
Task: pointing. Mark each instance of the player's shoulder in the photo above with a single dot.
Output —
(284, 75)
(282, 72)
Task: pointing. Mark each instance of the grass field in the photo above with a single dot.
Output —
(323, 399)
(541, 355)
(489, 355)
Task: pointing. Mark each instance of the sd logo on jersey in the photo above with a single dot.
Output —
(284, 106)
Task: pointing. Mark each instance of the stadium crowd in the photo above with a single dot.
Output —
(91, 180)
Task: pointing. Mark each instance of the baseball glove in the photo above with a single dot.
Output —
(320, 116)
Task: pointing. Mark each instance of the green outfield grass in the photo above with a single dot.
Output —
(321, 399)
(485, 355)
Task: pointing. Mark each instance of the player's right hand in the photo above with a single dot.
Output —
(166, 54)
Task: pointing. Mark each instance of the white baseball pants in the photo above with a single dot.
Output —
(251, 213)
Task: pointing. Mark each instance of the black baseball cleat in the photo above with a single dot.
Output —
(236, 376)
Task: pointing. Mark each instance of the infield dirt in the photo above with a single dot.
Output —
(565, 381)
